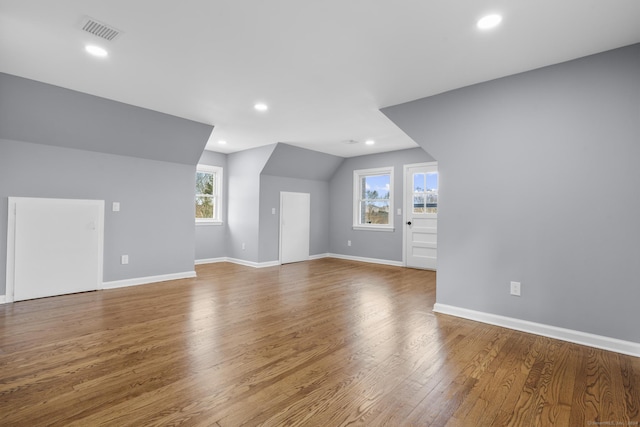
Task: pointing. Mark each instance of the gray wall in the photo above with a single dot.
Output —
(270, 188)
(368, 244)
(59, 143)
(295, 169)
(295, 162)
(539, 184)
(36, 112)
(155, 223)
(211, 239)
(243, 211)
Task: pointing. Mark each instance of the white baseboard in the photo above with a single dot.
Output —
(134, 282)
(253, 264)
(598, 341)
(369, 260)
(249, 263)
(210, 260)
(311, 258)
(237, 261)
(145, 280)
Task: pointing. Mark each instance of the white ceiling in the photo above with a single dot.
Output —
(325, 67)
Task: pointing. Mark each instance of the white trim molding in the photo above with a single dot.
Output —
(252, 263)
(217, 196)
(237, 261)
(311, 258)
(145, 280)
(357, 191)
(3, 299)
(598, 341)
(369, 260)
(390, 228)
(210, 260)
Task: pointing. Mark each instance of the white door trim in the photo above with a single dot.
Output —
(405, 186)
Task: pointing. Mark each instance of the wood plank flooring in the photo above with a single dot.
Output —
(321, 343)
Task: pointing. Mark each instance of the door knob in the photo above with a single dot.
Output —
(408, 222)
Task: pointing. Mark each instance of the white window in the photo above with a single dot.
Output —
(373, 199)
(208, 194)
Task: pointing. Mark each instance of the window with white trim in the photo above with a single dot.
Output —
(373, 199)
(208, 197)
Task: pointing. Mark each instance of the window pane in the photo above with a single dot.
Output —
(432, 192)
(373, 196)
(419, 182)
(374, 212)
(363, 188)
(204, 183)
(418, 203)
(425, 192)
(432, 201)
(375, 186)
(204, 207)
(432, 181)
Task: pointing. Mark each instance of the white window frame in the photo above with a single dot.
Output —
(357, 179)
(217, 196)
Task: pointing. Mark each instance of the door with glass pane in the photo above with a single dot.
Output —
(421, 214)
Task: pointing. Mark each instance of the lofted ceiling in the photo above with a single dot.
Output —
(324, 68)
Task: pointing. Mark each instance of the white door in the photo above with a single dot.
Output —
(55, 246)
(421, 215)
(295, 226)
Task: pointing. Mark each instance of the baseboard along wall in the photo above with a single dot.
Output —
(598, 341)
(145, 280)
(311, 257)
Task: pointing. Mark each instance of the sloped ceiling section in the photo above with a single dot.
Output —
(308, 164)
(40, 113)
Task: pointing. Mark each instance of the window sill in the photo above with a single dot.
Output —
(212, 222)
(373, 228)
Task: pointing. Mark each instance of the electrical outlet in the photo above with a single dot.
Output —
(124, 259)
(273, 211)
(243, 247)
(348, 242)
(399, 211)
(515, 288)
(115, 206)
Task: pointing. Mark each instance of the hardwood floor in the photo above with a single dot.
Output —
(321, 343)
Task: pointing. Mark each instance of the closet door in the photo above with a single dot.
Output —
(295, 226)
(58, 246)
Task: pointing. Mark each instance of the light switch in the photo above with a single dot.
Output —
(115, 207)
(399, 211)
(273, 211)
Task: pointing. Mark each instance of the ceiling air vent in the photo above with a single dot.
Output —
(99, 29)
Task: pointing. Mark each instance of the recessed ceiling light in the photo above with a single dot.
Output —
(222, 142)
(261, 107)
(369, 142)
(96, 50)
(489, 21)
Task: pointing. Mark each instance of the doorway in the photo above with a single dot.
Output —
(421, 215)
(295, 226)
